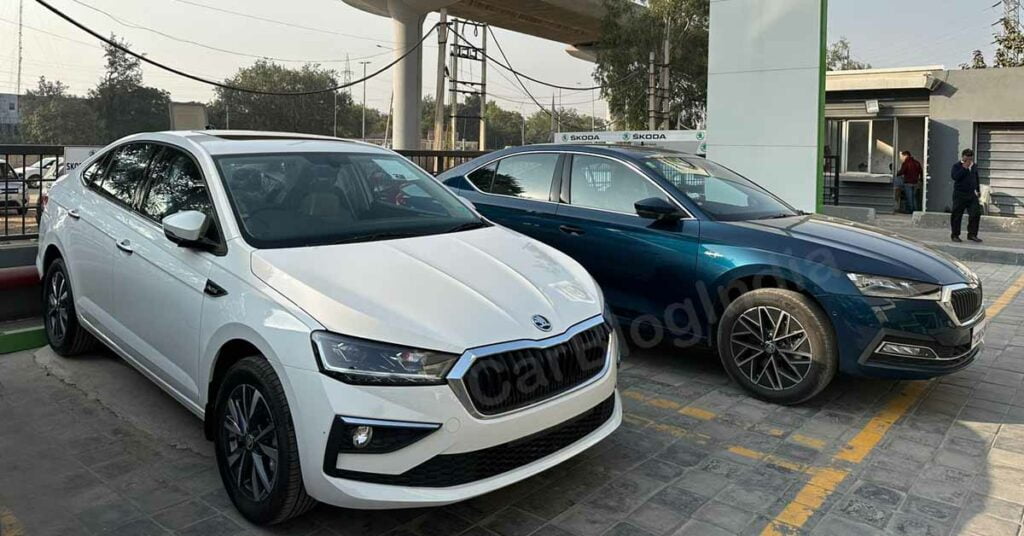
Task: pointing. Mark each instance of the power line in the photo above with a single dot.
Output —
(516, 75)
(137, 26)
(541, 82)
(281, 23)
(222, 85)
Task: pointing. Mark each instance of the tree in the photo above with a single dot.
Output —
(838, 57)
(52, 117)
(123, 105)
(629, 34)
(1009, 46)
(977, 61)
(1009, 49)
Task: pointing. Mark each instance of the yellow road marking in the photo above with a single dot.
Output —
(772, 459)
(825, 481)
(873, 432)
(1005, 298)
(9, 525)
(697, 413)
(806, 441)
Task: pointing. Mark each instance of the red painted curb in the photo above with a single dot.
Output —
(17, 277)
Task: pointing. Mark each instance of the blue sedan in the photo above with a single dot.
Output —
(689, 252)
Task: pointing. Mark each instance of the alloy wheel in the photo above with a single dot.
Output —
(250, 442)
(58, 303)
(771, 348)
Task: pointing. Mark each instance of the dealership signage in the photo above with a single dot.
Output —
(690, 140)
(74, 155)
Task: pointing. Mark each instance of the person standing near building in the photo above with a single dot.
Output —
(966, 192)
(912, 174)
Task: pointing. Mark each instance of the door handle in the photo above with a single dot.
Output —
(571, 230)
(125, 246)
(74, 213)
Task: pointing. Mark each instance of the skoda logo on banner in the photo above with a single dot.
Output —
(565, 137)
(625, 136)
(701, 135)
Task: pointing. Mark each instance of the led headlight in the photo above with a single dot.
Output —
(892, 287)
(363, 362)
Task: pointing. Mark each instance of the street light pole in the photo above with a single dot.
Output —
(364, 64)
(335, 130)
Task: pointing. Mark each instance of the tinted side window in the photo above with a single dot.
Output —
(93, 174)
(609, 185)
(127, 170)
(176, 185)
(483, 177)
(528, 176)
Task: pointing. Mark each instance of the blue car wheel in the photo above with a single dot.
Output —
(778, 344)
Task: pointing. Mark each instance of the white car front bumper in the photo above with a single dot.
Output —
(377, 481)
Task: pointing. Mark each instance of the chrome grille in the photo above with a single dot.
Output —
(507, 381)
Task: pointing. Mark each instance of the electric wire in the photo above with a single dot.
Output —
(196, 78)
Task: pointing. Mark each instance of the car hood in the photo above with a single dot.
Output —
(856, 247)
(447, 292)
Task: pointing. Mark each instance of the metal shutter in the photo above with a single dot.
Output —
(1001, 166)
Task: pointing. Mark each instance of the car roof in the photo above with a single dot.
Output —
(222, 142)
(630, 151)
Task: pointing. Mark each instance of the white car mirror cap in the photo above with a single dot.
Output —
(186, 226)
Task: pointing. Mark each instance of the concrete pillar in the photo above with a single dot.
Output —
(407, 25)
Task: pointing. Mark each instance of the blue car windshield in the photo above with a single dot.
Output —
(308, 199)
(721, 194)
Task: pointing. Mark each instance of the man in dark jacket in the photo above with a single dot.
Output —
(966, 192)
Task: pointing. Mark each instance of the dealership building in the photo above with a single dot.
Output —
(873, 115)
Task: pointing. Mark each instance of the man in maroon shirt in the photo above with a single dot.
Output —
(912, 174)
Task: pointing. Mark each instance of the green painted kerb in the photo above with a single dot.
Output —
(22, 339)
(822, 67)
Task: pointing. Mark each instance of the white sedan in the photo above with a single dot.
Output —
(348, 330)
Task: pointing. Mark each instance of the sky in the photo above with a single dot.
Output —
(885, 33)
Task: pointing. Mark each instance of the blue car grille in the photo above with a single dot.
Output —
(508, 381)
(966, 303)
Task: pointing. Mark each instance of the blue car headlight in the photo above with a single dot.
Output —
(363, 362)
(892, 287)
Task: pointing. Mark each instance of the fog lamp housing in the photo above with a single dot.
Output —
(906, 350)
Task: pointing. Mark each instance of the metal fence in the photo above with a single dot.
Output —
(437, 162)
(26, 172)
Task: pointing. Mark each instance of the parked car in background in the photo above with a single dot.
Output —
(41, 194)
(348, 329)
(33, 172)
(13, 195)
(686, 249)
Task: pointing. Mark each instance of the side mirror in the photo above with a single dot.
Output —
(186, 228)
(657, 208)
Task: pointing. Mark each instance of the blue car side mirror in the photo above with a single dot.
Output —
(657, 208)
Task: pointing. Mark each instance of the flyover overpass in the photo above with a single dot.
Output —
(574, 22)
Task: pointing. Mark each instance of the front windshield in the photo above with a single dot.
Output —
(307, 199)
(720, 193)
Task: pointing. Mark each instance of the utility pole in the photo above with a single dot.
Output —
(335, 129)
(364, 64)
(1011, 13)
(483, 91)
(442, 43)
(666, 95)
(652, 98)
(554, 113)
(21, 10)
(453, 75)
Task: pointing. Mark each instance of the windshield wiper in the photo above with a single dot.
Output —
(372, 237)
(468, 226)
(779, 216)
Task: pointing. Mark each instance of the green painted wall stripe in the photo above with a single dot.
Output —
(820, 202)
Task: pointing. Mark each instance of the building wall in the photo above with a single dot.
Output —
(963, 99)
(765, 85)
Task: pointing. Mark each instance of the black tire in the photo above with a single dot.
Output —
(65, 334)
(255, 443)
(788, 362)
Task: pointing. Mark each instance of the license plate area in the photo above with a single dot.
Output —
(978, 335)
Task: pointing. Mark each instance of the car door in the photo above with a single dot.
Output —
(644, 266)
(160, 288)
(89, 246)
(518, 192)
